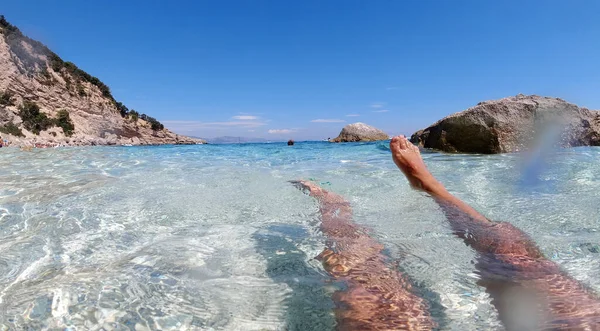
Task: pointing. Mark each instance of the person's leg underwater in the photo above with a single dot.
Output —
(376, 297)
(508, 258)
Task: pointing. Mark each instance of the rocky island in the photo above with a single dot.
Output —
(46, 100)
(360, 132)
(512, 124)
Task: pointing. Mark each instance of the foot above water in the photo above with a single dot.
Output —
(408, 159)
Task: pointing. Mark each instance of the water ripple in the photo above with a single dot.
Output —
(214, 238)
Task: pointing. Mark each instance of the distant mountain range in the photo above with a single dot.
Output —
(235, 140)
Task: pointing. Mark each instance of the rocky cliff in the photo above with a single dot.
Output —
(46, 100)
(513, 124)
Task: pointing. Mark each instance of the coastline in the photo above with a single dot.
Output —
(48, 141)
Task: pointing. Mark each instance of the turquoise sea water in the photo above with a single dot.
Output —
(213, 237)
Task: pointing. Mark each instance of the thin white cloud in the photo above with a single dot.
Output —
(191, 126)
(245, 117)
(391, 88)
(320, 120)
(377, 105)
(352, 115)
(381, 111)
(280, 131)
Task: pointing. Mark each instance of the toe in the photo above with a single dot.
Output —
(394, 143)
(414, 147)
(402, 142)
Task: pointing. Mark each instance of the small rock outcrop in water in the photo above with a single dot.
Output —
(512, 124)
(47, 101)
(290, 142)
(360, 132)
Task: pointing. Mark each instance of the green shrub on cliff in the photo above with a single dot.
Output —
(154, 123)
(6, 98)
(34, 120)
(80, 89)
(79, 74)
(63, 120)
(67, 83)
(123, 110)
(12, 129)
(134, 115)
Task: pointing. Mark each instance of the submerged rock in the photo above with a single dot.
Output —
(512, 124)
(360, 132)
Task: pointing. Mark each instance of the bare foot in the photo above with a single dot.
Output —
(320, 194)
(314, 190)
(408, 158)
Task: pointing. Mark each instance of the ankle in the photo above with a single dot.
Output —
(432, 186)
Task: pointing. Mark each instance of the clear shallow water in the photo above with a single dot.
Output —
(214, 238)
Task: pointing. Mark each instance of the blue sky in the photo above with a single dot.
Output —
(300, 69)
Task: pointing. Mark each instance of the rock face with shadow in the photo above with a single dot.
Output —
(360, 132)
(512, 124)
